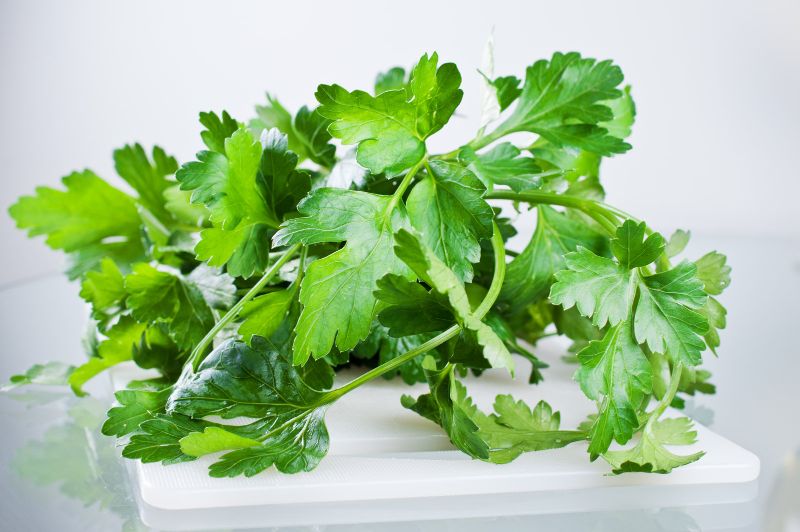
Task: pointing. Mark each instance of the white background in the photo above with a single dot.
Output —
(717, 86)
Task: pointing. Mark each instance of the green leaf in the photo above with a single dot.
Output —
(283, 185)
(391, 80)
(508, 90)
(105, 291)
(237, 379)
(630, 247)
(307, 134)
(337, 290)
(716, 314)
(601, 288)
(383, 126)
(90, 218)
(212, 440)
(530, 274)
(515, 429)
(677, 243)
(410, 308)
(713, 272)
(157, 296)
(148, 179)
(158, 439)
(50, 374)
(273, 115)
(263, 315)
(390, 129)
(650, 455)
(667, 316)
(259, 382)
(448, 209)
(624, 111)
(218, 288)
(313, 138)
(438, 276)
(179, 204)
(300, 448)
(563, 100)
(616, 373)
(502, 165)
(217, 130)
(115, 349)
(448, 406)
(135, 407)
(228, 184)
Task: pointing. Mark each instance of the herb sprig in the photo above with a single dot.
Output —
(249, 276)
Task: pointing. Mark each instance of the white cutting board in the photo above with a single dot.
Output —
(382, 454)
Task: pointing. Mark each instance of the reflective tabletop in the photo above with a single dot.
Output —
(59, 473)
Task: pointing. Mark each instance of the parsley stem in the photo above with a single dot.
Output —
(404, 184)
(484, 307)
(598, 212)
(198, 353)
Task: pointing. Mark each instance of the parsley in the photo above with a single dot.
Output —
(248, 276)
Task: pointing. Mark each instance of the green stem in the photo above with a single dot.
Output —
(198, 353)
(599, 213)
(483, 141)
(672, 389)
(452, 332)
(404, 184)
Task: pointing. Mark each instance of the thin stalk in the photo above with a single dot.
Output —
(198, 353)
(591, 208)
(452, 332)
(404, 184)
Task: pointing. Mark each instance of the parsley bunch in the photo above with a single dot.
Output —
(248, 276)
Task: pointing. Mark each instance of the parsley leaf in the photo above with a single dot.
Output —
(650, 455)
(257, 382)
(448, 210)
(562, 100)
(90, 218)
(530, 274)
(148, 179)
(337, 290)
(430, 269)
(448, 406)
(390, 128)
(156, 296)
(515, 428)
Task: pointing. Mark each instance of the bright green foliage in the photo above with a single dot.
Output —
(337, 291)
(410, 308)
(158, 296)
(658, 310)
(148, 179)
(530, 274)
(448, 406)
(390, 129)
(217, 129)
(307, 133)
(503, 165)
(514, 429)
(448, 210)
(228, 184)
(650, 455)
(391, 80)
(244, 280)
(614, 372)
(261, 383)
(444, 281)
(562, 100)
(90, 219)
(105, 291)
